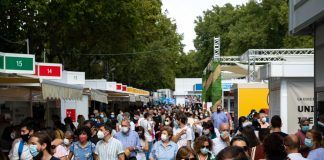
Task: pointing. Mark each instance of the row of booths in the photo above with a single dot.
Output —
(41, 90)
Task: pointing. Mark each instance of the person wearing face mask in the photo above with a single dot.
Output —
(108, 147)
(148, 131)
(218, 118)
(304, 127)
(67, 141)
(20, 149)
(182, 133)
(263, 121)
(40, 146)
(313, 140)
(103, 116)
(129, 139)
(83, 149)
(223, 141)
(202, 147)
(144, 143)
(164, 149)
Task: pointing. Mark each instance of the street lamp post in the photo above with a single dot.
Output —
(27, 41)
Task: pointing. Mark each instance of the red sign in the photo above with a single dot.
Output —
(118, 86)
(71, 113)
(124, 88)
(49, 70)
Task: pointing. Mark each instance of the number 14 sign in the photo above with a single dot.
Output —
(49, 70)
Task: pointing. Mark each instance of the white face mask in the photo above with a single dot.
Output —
(66, 141)
(12, 135)
(164, 137)
(264, 119)
(167, 123)
(100, 134)
(124, 129)
(206, 131)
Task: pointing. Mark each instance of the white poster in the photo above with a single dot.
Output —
(300, 104)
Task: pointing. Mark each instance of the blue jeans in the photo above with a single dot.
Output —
(147, 154)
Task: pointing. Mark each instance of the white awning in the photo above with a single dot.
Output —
(99, 96)
(56, 90)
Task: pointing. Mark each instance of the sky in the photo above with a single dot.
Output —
(184, 12)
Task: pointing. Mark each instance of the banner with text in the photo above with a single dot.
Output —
(300, 103)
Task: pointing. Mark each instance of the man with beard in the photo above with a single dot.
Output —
(20, 149)
(218, 118)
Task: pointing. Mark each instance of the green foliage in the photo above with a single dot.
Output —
(74, 32)
(214, 92)
(254, 25)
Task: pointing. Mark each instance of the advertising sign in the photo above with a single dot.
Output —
(71, 113)
(300, 103)
(118, 86)
(17, 63)
(49, 70)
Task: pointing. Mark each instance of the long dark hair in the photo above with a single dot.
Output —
(141, 129)
(249, 133)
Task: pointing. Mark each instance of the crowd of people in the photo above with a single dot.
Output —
(166, 133)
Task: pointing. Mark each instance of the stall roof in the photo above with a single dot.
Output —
(96, 95)
(56, 90)
(19, 81)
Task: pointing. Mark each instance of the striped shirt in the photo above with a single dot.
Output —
(109, 150)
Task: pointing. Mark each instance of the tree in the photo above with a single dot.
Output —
(92, 36)
(254, 25)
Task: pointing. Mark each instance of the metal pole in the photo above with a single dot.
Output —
(44, 55)
(248, 66)
(27, 41)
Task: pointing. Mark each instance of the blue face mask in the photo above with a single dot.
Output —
(204, 150)
(112, 116)
(305, 128)
(308, 142)
(33, 150)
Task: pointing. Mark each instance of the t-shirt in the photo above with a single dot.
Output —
(188, 136)
(147, 126)
(218, 145)
(60, 151)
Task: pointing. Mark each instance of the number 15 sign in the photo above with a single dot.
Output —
(49, 70)
(17, 63)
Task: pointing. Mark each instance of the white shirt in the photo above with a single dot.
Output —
(147, 126)
(132, 125)
(218, 145)
(296, 156)
(25, 155)
(188, 136)
(110, 150)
